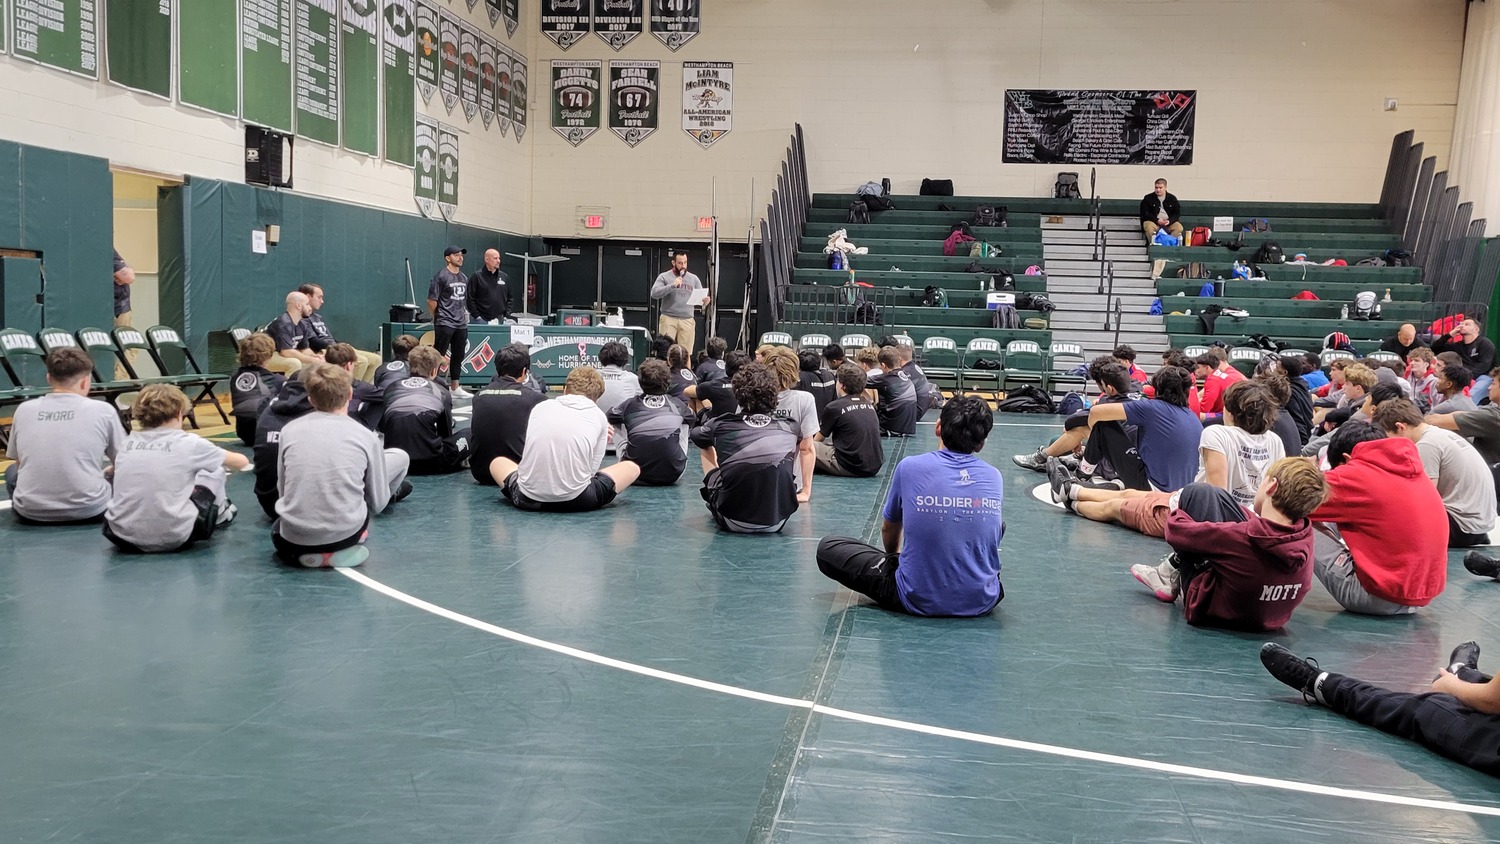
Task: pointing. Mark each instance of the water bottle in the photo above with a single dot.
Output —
(1344, 312)
(1387, 296)
(838, 261)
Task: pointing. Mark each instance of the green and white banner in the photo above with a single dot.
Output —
(448, 70)
(429, 51)
(675, 22)
(512, 11)
(634, 104)
(399, 82)
(317, 70)
(565, 21)
(618, 22)
(468, 67)
(447, 171)
(487, 79)
(425, 176)
(504, 60)
(575, 99)
(518, 94)
(707, 100)
(359, 114)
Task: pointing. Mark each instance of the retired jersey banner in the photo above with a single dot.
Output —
(448, 68)
(618, 22)
(429, 51)
(487, 79)
(399, 62)
(707, 100)
(575, 99)
(565, 21)
(503, 62)
(518, 94)
(468, 68)
(675, 22)
(634, 107)
(425, 176)
(447, 171)
(1099, 127)
(511, 11)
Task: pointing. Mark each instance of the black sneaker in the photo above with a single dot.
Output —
(1482, 564)
(1058, 477)
(1466, 654)
(1301, 674)
(401, 491)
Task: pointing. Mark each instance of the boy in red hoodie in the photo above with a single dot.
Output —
(1237, 568)
(1389, 552)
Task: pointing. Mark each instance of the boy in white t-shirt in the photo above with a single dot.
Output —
(169, 484)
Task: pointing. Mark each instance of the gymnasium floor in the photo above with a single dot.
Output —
(684, 685)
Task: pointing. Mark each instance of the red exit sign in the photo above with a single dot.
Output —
(705, 224)
(593, 221)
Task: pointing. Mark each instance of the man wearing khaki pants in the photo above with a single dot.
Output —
(673, 288)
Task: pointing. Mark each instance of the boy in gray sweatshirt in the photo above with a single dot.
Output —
(332, 475)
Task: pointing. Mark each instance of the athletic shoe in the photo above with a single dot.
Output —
(1466, 655)
(461, 393)
(1164, 580)
(401, 492)
(347, 558)
(1058, 478)
(1482, 564)
(1035, 461)
(1301, 674)
(227, 514)
(1097, 482)
(1070, 462)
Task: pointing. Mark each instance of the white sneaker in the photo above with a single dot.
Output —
(1164, 580)
(461, 393)
(227, 514)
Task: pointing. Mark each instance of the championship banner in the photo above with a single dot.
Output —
(492, 8)
(472, 4)
(425, 175)
(487, 79)
(138, 39)
(512, 12)
(1099, 127)
(633, 104)
(468, 68)
(447, 171)
(503, 61)
(265, 63)
(429, 51)
(448, 72)
(63, 35)
(400, 66)
(618, 22)
(575, 99)
(707, 100)
(675, 22)
(317, 70)
(518, 94)
(359, 113)
(565, 21)
(208, 64)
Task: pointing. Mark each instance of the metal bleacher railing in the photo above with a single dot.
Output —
(780, 231)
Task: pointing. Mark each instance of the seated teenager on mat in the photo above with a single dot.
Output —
(168, 484)
(502, 412)
(1126, 356)
(1158, 451)
(367, 404)
(656, 425)
(1245, 569)
(1384, 548)
(716, 397)
(897, 402)
(1212, 370)
(833, 356)
(565, 440)
(1452, 387)
(798, 407)
(61, 443)
(291, 402)
(1481, 425)
(332, 475)
(940, 538)
(712, 367)
(748, 457)
(682, 376)
(1463, 480)
(928, 395)
(620, 384)
(1284, 426)
(1114, 387)
(816, 380)
(252, 386)
(396, 369)
(418, 418)
(1459, 718)
(1234, 456)
(848, 440)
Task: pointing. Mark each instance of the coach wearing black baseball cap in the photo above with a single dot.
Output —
(446, 297)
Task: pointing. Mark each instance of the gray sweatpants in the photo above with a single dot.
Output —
(1333, 565)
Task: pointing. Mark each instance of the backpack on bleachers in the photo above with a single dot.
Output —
(1365, 306)
(934, 297)
(1269, 253)
(990, 216)
(878, 203)
(1256, 225)
(1005, 316)
(868, 189)
(1370, 262)
(937, 187)
(859, 212)
(1201, 235)
(955, 240)
(1066, 187)
(1196, 269)
(1398, 257)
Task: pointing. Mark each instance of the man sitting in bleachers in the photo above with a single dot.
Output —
(1462, 478)
(1114, 387)
(1403, 341)
(1477, 352)
(748, 457)
(1161, 210)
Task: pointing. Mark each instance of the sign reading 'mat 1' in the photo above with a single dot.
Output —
(565, 21)
(707, 100)
(575, 99)
(633, 102)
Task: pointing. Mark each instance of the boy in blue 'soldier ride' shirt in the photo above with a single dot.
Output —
(942, 528)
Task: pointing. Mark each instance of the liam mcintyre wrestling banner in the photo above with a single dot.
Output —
(1099, 127)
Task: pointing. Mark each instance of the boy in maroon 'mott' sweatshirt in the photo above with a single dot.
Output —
(1240, 568)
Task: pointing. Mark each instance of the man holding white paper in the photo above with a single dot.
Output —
(679, 291)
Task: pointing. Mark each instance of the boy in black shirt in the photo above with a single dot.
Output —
(896, 396)
(814, 378)
(253, 386)
(748, 457)
(367, 402)
(418, 418)
(396, 370)
(290, 403)
(656, 427)
(718, 396)
(833, 356)
(712, 368)
(848, 442)
(501, 412)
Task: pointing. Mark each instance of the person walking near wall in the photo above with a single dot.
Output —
(674, 289)
(124, 276)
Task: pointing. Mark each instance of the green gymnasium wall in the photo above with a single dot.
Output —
(210, 279)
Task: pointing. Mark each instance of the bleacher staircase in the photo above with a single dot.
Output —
(1077, 284)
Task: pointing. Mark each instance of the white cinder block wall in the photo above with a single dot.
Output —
(44, 107)
(1291, 96)
(1290, 107)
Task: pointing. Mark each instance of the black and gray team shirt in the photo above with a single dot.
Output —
(291, 403)
(720, 396)
(658, 435)
(418, 417)
(318, 335)
(756, 453)
(489, 295)
(925, 393)
(451, 292)
(501, 413)
(852, 427)
(390, 372)
(681, 380)
(251, 389)
(711, 370)
(288, 334)
(820, 384)
(898, 408)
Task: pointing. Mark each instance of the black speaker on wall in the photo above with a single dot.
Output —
(268, 157)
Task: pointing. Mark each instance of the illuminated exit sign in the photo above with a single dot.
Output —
(592, 220)
(705, 224)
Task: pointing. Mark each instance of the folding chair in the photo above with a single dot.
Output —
(1024, 364)
(1245, 359)
(854, 341)
(940, 362)
(165, 337)
(97, 342)
(52, 339)
(776, 338)
(1063, 358)
(15, 345)
(1381, 357)
(1330, 355)
(1194, 351)
(905, 340)
(816, 342)
(969, 376)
